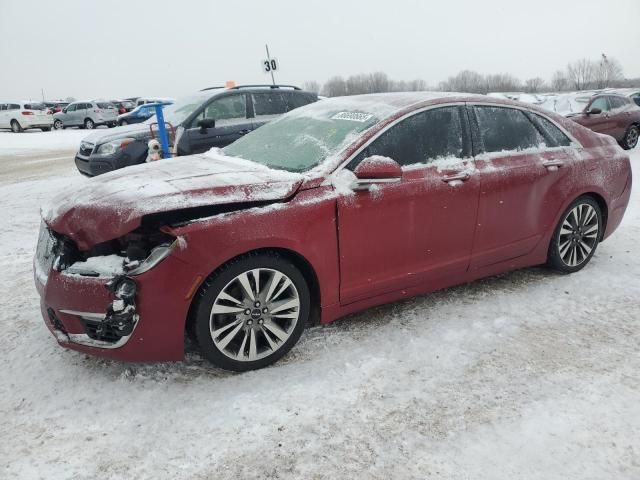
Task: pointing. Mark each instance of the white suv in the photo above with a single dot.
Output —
(24, 115)
(86, 115)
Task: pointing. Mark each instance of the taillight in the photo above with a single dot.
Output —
(27, 113)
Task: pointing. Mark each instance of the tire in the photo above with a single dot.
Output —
(576, 236)
(630, 139)
(122, 122)
(111, 125)
(46, 129)
(241, 327)
(58, 125)
(15, 127)
(89, 124)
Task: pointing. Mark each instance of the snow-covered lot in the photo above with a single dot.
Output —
(530, 375)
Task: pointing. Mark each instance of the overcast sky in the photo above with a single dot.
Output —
(111, 49)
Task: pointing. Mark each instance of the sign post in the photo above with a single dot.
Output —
(270, 65)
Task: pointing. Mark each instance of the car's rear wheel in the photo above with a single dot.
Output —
(630, 139)
(15, 127)
(57, 124)
(88, 124)
(46, 129)
(576, 236)
(251, 312)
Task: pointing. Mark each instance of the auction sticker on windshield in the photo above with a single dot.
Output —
(353, 116)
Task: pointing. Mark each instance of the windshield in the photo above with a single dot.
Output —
(304, 138)
(179, 111)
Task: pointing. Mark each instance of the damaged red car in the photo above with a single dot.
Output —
(333, 208)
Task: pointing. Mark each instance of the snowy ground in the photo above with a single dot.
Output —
(530, 375)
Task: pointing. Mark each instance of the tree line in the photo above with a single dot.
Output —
(579, 75)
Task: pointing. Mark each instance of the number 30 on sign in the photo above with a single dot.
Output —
(269, 65)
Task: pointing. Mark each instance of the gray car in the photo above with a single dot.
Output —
(87, 115)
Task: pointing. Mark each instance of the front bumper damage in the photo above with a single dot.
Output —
(136, 318)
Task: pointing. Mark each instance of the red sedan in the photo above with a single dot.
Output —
(335, 207)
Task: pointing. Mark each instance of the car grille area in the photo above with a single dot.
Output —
(98, 330)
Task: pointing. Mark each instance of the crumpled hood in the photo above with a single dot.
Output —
(111, 205)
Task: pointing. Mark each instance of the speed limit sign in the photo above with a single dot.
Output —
(269, 65)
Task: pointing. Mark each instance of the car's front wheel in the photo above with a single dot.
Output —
(251, 312)
(122, 122)
(576, 236)
(57, 124)
(630, 139)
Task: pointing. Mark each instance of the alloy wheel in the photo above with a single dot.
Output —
(57, 124)
(254, 314)
(88, 124)
(578, 234)
(632, 137)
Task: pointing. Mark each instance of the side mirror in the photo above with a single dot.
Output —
(594, 111)
(64, 110)
(377, 169)
(205, 124)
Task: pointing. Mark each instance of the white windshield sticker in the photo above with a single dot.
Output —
(353, 116)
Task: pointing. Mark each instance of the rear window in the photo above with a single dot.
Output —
(35, 106)
(105, 105)
(269, 104)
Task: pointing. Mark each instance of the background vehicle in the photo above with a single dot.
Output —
(54, 107)
(333, 208)
(209, 118)
(87, 115)
(614, 115)
(123, 106)
(143, 100)
(24, 115)
(138, 114)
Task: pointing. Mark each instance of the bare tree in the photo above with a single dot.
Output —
(559, 81)
(379, 82)
(534, 85)
(311, 86)
(502, 82)
(581, 74)
(465, 81)
(335, 87)
(607, 72)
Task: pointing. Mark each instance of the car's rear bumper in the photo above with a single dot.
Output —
(618, 207)
(73, 305)
(27, 122)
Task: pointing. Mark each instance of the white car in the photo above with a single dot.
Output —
(20, 116)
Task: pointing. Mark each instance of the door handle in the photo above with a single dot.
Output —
(244, 132)
(552, 164)
(458, 177)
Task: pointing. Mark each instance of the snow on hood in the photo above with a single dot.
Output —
(138, 130)
(111, 205)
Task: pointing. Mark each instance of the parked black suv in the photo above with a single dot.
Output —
(235, 111)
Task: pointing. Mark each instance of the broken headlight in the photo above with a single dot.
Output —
(157, 254)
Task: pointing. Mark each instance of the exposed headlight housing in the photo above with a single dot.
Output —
(157, 254)
(112, 147)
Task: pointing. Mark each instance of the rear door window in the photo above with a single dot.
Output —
(554, 135)
(507, 129)
(269, 104)
(617, 102)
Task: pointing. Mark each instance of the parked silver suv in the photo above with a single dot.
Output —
(87, 115)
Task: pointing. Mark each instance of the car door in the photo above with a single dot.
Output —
(69, 116)
(231, 123)
(598, 122)
(3, 116)
(525, 164)
(418, 231)
(621, 115)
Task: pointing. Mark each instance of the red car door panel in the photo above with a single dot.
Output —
(519, 198)
(404, 234)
